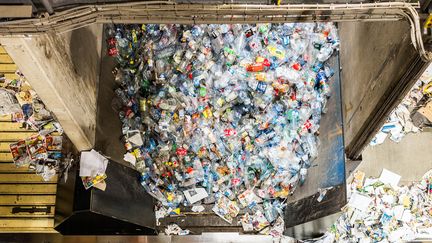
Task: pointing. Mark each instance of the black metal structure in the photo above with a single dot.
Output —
(124, 208)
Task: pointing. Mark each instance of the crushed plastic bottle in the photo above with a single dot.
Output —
(233, 110)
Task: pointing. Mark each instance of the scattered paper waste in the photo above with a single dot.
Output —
(41, 152)
(359, 201)
(401, 120)
(129, 157)
(388, 177)
(92, 169)
(174, 229)
(196, 194)
(246, 222)
(8, 103)
(160, 212)
(381, 211)
(226, 209)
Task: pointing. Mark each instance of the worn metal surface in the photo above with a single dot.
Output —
(314, 228)
(24, 196)
(108, 125)
(15, 11)
(328, 170)
(124, 198)
(377, 71)
(123, 208)
(64, 71)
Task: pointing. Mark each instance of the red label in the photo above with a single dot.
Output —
(112, 51)
(308, 124)
(235, 181)
(230, 132)
(257, 67)
(181, 152)
(189, 170)
(112, 41)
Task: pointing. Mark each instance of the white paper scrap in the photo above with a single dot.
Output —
(379, 138)
(398, 212)
(195, 194)
(130, 158)
(198, 208)
(407, 216)
(388, 177)
(359, 201)
(134, 137)
(8, 103)
(92, 163)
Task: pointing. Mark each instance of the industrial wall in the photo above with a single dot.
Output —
(379, 64)
(64, 71)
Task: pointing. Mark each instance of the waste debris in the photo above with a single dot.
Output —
(409, 116)
(223, 114)
(41, 152)
(174, 229)
(92, 169)
(198, 208)
(381, 211)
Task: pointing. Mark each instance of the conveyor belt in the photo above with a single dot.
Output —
(27, 202)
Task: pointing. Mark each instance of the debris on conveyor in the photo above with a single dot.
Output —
(42, 152)
(412, 114)
(92, 169)
(174, 229)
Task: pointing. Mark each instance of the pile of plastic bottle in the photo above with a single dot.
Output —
(227, 113)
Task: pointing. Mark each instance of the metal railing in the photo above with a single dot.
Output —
(164, 12)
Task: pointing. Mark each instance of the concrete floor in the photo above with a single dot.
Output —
(410, 158)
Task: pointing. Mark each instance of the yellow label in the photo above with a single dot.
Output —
(406, 201)
(220, 101)
(175, 117)
(276, 52)
(428, 22)
(259, 59)
(177, 211)
(207, 112)
(260, 76)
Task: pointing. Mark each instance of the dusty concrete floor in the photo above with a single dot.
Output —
(410, 158)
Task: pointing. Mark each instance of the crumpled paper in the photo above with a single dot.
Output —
(174, 229)
(400, 122)
(379, 210)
